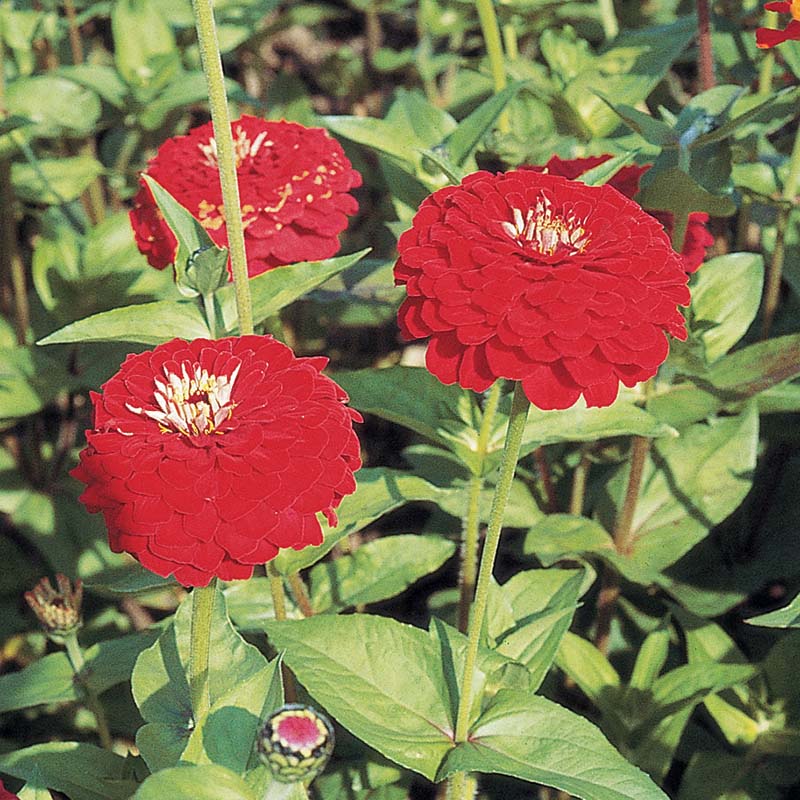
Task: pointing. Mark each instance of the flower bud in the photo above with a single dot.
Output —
(296, 743)
(59, 611)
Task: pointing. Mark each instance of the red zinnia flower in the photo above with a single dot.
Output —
(626, 180)
(293, 186)
(565, 287)
(207, 456)
(768, 37)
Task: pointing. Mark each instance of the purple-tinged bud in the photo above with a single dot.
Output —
(296, 743)
(59, 611)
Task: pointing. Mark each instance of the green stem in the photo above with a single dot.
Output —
(92, 702)
(10, 260)
(775, 273)
(472, 520)
(510, 41)
(218, 102)
(609, 18)
(679, 231)
(494, 49)
(210, 311)
(279, 605)
(516, 427)
(768, 60)
(200, 647)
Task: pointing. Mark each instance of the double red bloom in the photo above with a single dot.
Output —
(626, 181)
(565, 287)
(293, 184)
(768, 37)
(208, 456)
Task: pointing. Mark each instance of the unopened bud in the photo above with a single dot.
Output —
(296, 743)
(59, 611)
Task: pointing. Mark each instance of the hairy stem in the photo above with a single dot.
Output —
(300, 594)
(218, 102)
(200, 647)
(516, 427)
(472, 521)
(494, 50)
(92, 702)
(609, 18)
(279, 605)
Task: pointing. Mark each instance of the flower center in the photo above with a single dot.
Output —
(192, 403)
(243, 147)
(546, 231)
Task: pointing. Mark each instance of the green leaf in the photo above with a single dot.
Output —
(650, 129)
(539, 741)
(672, 190)
(56, 106)
(35, 788)
(102, 80)
(582, 424)
(250, 604)
(730, 382)
(786, 617)
(463, 141)
(726, 294)
(412, 397)
(81, 771)
(146, 323)
(628, 71)
(602, 173)
(200, 266)
(54, 181)
(377, 134)
(403, 711)
(192, 782)
(144, 47)
(130, 579)
(591, 670)
(689, 485)
(277, 288)
(650, 659)
(239, 679)
(52, 680)
(377, 570)
(379, 491)
(541, 604)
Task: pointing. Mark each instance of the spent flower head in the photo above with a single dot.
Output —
(58, 610)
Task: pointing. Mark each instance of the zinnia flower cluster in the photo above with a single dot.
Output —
(567, 288)
(293, 184)
(206, 457)
(768, 37)
(626, 181)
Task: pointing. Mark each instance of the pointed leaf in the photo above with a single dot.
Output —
(239, 678)
(673, 190)
(377, 570)
(396, 699)
(539, 741)
(277, 288)
(191, 782)
(786, 617)
(379, 491)
(147, 323)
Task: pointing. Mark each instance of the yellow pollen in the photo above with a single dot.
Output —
(193, 403)
(309, 198)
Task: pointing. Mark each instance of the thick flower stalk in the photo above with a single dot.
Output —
(206, 457)
(769, 37)
(697, 239)
(294, 184)
(568, 288)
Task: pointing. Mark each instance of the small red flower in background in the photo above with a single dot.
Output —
(5, 794)
(768, 37)
(626, 181)
(207, 456)
(566, 287)
(293, 185)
